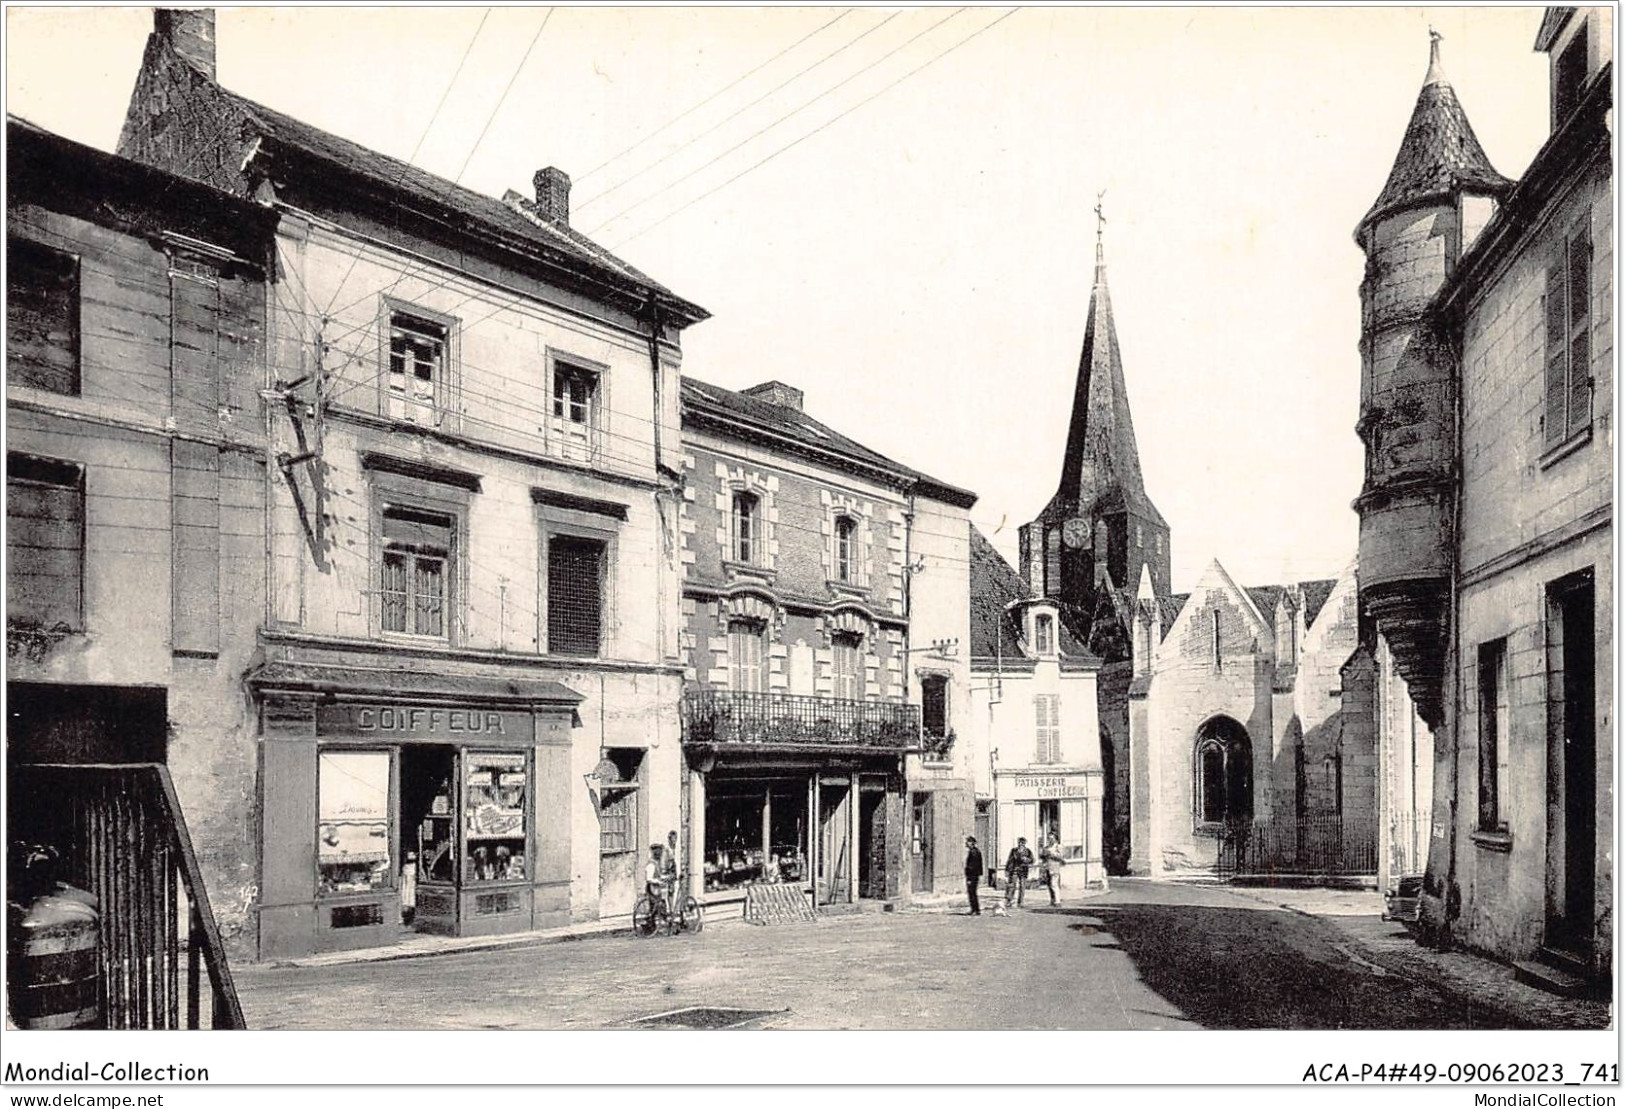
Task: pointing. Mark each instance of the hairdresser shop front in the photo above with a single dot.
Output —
(398, 802)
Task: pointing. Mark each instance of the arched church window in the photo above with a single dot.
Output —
(1223, 773)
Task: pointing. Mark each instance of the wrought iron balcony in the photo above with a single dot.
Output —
(725, 718)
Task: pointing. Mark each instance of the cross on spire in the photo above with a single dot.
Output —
(1100, 224)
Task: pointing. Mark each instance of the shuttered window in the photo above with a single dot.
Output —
(745, 651)
(848, 666)
(1568, 341)
(45, 542)
(42, 317)
(1047, 710)
(575, 596)
(413, 589)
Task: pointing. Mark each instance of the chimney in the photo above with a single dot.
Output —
(189, 33)
(553, 195)
(776, 392)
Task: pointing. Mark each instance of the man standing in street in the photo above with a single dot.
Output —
(973, 873)
(1053, 859)
(1016, 866)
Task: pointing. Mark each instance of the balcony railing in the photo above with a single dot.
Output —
(726, 717)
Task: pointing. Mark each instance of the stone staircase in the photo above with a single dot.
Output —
(1560, 972)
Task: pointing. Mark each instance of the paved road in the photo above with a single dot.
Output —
(1146, 956)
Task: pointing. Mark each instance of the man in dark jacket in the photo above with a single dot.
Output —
(1015, 874)
(973, 873)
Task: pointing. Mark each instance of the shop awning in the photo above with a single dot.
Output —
(358, 683)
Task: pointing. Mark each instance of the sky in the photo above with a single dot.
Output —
(894, 209)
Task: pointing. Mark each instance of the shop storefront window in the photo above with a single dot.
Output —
(494, 814)
(755, 832)
(353, 839)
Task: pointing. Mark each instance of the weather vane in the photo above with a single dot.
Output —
(1100, 216)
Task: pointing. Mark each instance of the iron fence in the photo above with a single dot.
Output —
(1309, 845)
(714, 716)
(120, 834)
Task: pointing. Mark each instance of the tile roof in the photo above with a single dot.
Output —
(1314, 597)
(515, 218)
(1439, 155)
(700, 397)
(993, 585)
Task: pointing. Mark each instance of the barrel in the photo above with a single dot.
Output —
(52, 975)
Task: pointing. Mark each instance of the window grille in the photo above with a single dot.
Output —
(417, 554)
(575, 596)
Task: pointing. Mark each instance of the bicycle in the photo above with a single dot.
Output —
(649, 915)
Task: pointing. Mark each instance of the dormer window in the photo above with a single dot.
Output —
(1569, 77)
(747, 541)
(1043, 635)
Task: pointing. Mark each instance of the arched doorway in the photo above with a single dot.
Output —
(1222, 766)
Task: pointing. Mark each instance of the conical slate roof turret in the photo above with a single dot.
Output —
(1440, 155)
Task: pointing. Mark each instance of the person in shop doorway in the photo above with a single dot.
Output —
(1053, 858)
(1016, 867)
(973, 874)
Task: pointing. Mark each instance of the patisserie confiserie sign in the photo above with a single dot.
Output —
(1048, 787)
(425, 722)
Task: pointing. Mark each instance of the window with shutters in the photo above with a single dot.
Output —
(575, 417)
(575, 596)
(414, 588)
(45, 542)
(42, 317)
(1568, 341)
(1047, 710)
(417, 381)
(746, 651)
(848, 658)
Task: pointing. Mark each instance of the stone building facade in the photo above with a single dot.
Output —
(135, 494)
(1486, 518)
(825, 618)
(465, 680)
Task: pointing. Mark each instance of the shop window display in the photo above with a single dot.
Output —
(353, 841)
(756, 833)
(494, 816)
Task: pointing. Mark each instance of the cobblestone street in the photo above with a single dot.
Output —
(1145, 956)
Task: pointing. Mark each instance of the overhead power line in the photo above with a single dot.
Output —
(827, 123)
(731, 85)
(537, 37)
(664, 158)
(410, 158)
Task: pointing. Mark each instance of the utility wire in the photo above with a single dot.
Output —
(736, 114)
(456, 73)
(787, 116)
(503, 98)
(710, 192)
(734, 84)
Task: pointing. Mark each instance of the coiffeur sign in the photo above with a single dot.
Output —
(424, 722)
